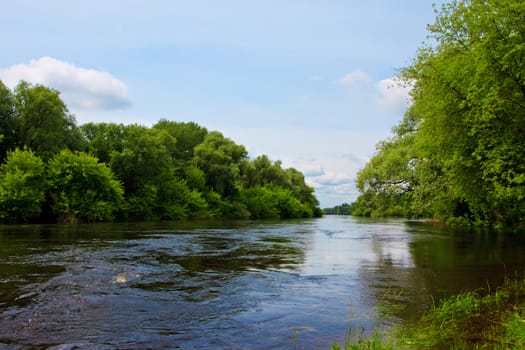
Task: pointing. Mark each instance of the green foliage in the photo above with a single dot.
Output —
(261, 171)
(219, 158)
(82, 189)
(141, 159)
(297, 199)
(462, 155)
(342, 209)
(22, 187)
(387, 182)
(103, 139)
(171, 171)
(188, 136)
(268, 202)
(195, 177)
(226, 209)
(35, 117)
(178, 201)
(42, 121)
(260, 202)
(7, 122)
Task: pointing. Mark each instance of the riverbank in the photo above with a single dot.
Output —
(483, 319)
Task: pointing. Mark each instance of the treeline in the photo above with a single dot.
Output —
(55, 171)
(459, 153)
(342, 209)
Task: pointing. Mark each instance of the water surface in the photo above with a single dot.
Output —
(238, 285)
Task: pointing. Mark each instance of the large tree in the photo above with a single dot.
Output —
(469, 92)
(7, 121)
(466, 156)
(187, 136)
(43, 122)
(219, 158)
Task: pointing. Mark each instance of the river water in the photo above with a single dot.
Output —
(235, 285)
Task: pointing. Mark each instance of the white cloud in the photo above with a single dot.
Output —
(311, 169)
(393, 95)
(336, 195)
(359, 160)
(355, 78)
(376, 98)
(331, 178)
(80, 87)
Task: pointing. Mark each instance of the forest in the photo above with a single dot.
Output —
(458, 155)
(53, 170)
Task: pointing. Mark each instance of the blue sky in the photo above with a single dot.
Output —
(306, 82)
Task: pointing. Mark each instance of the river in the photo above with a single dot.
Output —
(233, 285)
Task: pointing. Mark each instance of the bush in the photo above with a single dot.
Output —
(22, 187)
(82, 189)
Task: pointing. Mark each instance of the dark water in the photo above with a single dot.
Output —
(242, 285)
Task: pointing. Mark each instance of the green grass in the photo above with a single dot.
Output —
(482, 319)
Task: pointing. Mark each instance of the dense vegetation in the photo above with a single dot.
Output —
(53, 170)
(342, 209)
(459, 152)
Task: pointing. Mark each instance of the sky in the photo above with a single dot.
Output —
(307, 82)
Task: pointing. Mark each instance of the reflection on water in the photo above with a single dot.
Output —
(239, 285)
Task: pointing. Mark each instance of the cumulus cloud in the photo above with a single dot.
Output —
(335, 195)
(329, 178)
(333, 178)
(393, 95)
(353, 158)
(80, 87)
(355, 78)
(311, 170)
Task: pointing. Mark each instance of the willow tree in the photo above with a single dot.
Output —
(469, 96)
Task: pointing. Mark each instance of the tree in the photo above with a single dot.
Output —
(187, 136)
(81, 188)
(103, 138)
(7, 122)
(389, 178)
(260, 201)
(262, 172)
(302, 192)
(42, 121)
(219, 158)
(463, 157)
(22, 187)
(270, 201)
(469, 91)
(342, 209)
(141, 159)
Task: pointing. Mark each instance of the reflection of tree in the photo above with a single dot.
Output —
(463, 260)
(440, 262)
(389, 275)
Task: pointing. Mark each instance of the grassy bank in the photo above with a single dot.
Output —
(484, 319)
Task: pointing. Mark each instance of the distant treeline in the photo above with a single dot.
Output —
(459, 153)
(55, 171)
(342, 209)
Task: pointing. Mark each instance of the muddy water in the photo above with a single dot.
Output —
(235, 285)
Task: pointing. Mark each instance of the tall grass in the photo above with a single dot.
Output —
(482, 319)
